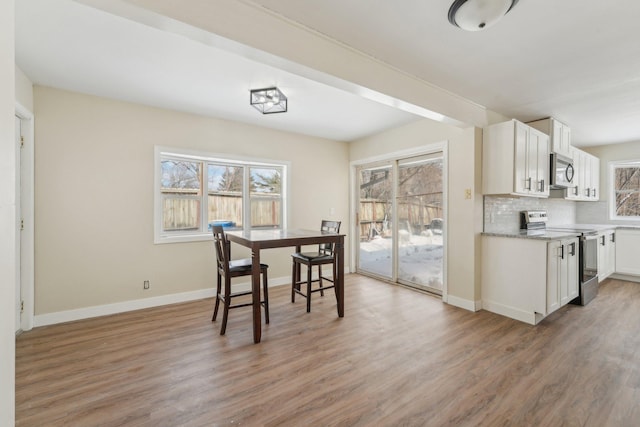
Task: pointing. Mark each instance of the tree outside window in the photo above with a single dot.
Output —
(626, 189)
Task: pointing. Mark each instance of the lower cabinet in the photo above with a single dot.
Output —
(562, 273)
(606, 254)
(627, 255)
(528, 279)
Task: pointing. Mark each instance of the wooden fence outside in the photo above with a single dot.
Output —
(183, 213)
(413, 215)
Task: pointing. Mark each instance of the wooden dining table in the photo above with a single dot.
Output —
(256, 240)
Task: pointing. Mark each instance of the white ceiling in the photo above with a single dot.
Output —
(576, 60)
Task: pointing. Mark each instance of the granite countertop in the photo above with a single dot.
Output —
(533, 234)
(555, 234)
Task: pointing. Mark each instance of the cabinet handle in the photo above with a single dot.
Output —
(613, 237)
(528, 184)
(542, 186)
(573, 249)
(603, 241)
(587, 192)
(575, 191)
(561, 251)
(594, 192)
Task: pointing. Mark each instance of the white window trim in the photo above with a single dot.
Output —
(159, 151)
(612, 189)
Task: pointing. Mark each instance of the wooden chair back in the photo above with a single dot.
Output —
(329, 227)
(223, 249)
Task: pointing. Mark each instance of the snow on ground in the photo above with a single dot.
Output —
(420, 258)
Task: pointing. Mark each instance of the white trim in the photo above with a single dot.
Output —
(612, 191)
(512, 312)
(138, 304)
(196, 236)
(25, 202)
(442, 146)
(463, 303)
(626, 277)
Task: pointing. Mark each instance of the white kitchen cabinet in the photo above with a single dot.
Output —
(515, 160)
(527, 279)
(562, 273)
(559, 134)
(587, 177)
(606, 254)
(627, 253)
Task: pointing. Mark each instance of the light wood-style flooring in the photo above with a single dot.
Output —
(397, 358)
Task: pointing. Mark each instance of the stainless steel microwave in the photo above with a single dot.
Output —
(562, 172)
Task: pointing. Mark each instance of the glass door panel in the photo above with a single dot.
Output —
(420, 216)
(375, 249)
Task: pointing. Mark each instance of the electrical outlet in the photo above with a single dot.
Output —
(145, 285)
(467, 193)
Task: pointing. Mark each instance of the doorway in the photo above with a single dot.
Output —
(400, 220)
(25, 266)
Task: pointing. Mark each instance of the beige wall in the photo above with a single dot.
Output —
(94, 155)
(7, 215)
(464, 216)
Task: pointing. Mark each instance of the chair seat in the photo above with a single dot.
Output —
(237, 265)
(312, 256)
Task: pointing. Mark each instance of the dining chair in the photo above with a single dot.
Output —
(229, 269)
(324, 255)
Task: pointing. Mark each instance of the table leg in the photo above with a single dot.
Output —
(255, 294)
(340, 279)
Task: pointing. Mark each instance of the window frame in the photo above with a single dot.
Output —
(613, 165)
(202, 234)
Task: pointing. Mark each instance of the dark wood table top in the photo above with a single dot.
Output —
(273, 238)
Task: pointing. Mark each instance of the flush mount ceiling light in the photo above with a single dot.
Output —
(268, 101)
(476, 15)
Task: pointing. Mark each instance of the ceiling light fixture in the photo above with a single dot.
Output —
(268, 101)
(476, 15)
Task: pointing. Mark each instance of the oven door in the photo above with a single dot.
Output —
(589, 253)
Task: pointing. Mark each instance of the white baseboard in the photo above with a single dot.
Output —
(464, 303)
(121, 307)
(627, 277)
(514, 313)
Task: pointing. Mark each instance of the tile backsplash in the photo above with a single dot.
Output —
(502, 214)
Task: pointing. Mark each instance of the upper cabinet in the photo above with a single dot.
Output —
(559, 134)
(515, 160)
(587, 177)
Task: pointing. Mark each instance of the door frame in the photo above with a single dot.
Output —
(25, 248)
(441, 146)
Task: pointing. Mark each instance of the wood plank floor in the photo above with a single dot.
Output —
(397, 358)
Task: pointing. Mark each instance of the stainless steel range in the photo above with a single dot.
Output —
(587, 253)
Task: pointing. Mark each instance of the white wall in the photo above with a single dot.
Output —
(464, 216)
(7, 215)
(94, 197)
(24, 90)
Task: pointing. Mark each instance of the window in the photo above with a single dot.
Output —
(625, 189)
(197, 190)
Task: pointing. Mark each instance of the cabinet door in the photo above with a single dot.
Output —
(539, 162)
(554, 272)
(572, 270)
(585, 175)
(611, 255)
(627, 258)
(566, 139)
(602, 256)
(595, 178)
(522, 179)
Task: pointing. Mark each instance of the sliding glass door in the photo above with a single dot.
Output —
(420, 222)
(375, 219)
(401, 221)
